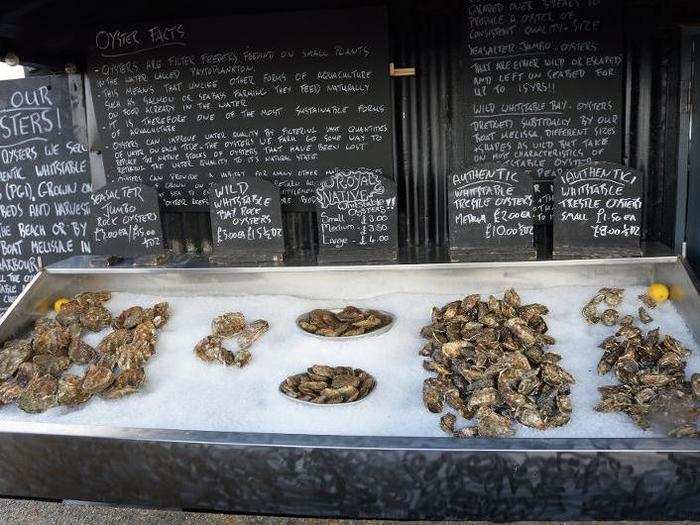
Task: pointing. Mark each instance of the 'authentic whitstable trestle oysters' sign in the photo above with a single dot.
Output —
(357, 217)
(490, 213)
(597, 211)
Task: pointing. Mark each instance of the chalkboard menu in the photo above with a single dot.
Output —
(357, 217)
(45, 181)
(246, 220)
(543, 83)
(597, 211)
(543, 201)
(490, 212)
(291, 98)
(126, 221)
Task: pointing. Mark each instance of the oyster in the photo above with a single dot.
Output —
(131, 317)
(39, 395)
(96, 318)
(97, 378)
(114, 340)
(490, 363)
(13, 354)
(70, 391)
(651, 371)
(52, 341)
(348, 322)
(644, 316)
(70, 313)
(610, 317)
(334, 385)
(127, 382)
(211, 348)
(133, 355)
(93, 298)
(648, 301)
(10, 391)
(159, 314)
(251, 333)
(46, 364)
(80, 352)
(241, 358)
(228, 324)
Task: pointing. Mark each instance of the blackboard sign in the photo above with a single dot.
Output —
(543, 197)
(290, 97)
(126, 221)
(543, 84)
(45, 176)
(490, 212)
(246, 220)
(597, 211)
(357, 218)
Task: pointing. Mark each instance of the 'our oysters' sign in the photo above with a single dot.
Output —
(126, 221)
(490, 209)
(246, 219)
(357, 217)
(597, 211)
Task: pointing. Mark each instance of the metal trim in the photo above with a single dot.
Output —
(83, 270)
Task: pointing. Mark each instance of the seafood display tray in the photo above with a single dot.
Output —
(373, 476)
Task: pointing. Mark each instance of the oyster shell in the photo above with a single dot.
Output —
(39, 395)
(490, 363)
(70, 390)
(13, 354)
(131, 317)
(46, 364)
(96, 318)
(334, 386)
(251, 333)
(97, 378)
(211, 348)
(52, 341)
(10, 391)
(348, 322)
(126, 383)
(228, 324)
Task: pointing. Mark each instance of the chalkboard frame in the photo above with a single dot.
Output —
(126, 250)
(256, 252)
(566, 250)
(358, 254)
(464, 252)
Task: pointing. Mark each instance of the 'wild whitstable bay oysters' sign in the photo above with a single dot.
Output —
(246, 220)
(490, 213)
(357, 217)
(597, 211)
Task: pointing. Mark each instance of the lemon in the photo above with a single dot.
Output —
(659, 292)
(59, 304)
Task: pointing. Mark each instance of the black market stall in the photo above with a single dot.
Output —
(387, 260)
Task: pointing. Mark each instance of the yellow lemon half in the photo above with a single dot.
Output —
(659, 292)
(59, 304)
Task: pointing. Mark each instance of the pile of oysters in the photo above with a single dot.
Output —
(327, 385)
(490, 362)
(348, 322)
(34, 370)
(226, 326)
(651, 370)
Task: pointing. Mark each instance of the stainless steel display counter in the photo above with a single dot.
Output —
(377, 477)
